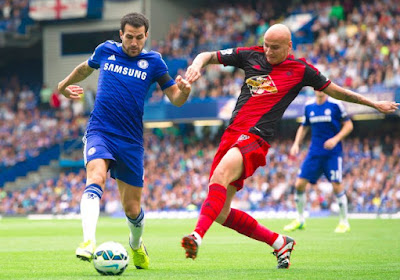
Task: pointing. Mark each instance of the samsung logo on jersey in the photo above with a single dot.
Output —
(317, 119)
(125, 71)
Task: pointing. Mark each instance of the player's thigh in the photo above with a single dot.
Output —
(226, 143)
(98, 156)
(337, 187)
(229, 169)
(333, 167)
(129, 166)
(311, 169)
(130, 198)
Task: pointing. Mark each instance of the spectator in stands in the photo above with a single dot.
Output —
(14, 22)
(356, 40)
(7, 9)
(195, 182)
(337, 13)
(45, 94)
(55, 101)
(191, 29)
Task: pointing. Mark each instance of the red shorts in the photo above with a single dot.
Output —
(253, 148)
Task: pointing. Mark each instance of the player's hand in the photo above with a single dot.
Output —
(72, 92)
(192, 73)
(386, 107)
(294, 150)
(183, 84)
(330, 143)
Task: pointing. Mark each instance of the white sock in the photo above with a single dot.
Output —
(136, 226)
(343, 206)
(198, 238)
(90, 210)
(300, 199)
(278, 242)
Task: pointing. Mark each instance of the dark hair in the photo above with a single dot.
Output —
(136, 20)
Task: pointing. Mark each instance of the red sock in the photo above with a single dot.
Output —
(211, 208)
(247, 225)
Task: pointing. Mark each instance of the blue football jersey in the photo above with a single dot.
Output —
(325, 121)
(122, 86)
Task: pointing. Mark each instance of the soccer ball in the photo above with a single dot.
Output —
(110, 258)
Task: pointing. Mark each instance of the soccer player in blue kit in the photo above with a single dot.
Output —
(114, 136)
(329, 124)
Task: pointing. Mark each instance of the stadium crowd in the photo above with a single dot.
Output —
(176, 178)
(361, 44)
(357, 46)
(14, 16)
(26, 129)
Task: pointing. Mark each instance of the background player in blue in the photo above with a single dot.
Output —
(114, 136)
(329, 125)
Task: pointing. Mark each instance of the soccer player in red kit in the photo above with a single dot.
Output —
(273, 78)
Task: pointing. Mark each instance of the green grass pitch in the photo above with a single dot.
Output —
(45, 250)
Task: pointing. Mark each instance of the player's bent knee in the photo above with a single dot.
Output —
(222, 217)
(132, 214)
(132, 210)
(301, 185)
(221, 177)
(301, 188)
(337, 187)
(98, 179)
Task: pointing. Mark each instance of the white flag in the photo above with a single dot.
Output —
(57, 9)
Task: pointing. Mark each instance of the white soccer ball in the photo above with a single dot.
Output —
(110, 258)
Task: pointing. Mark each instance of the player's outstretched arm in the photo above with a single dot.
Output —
(179, 92)
(338, 92)
(66, 87)
(193, 72)
(300, 134)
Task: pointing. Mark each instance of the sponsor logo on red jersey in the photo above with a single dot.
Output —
(260, 85)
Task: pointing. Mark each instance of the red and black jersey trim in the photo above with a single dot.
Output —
(240, 49)
(219, 57)
(303, 61)
(254, 48)
(258, 143)
(324, 86)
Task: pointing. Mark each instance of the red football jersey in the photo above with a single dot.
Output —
(267, 89)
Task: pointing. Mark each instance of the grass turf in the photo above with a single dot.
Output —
(45, 250)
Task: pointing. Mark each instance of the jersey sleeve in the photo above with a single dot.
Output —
(160, 71)
(306, 119)
(95, 60)
(231, 57)
(314, 78)
(343, 113)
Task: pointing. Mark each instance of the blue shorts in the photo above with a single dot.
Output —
(314, 165)
(127, 160)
